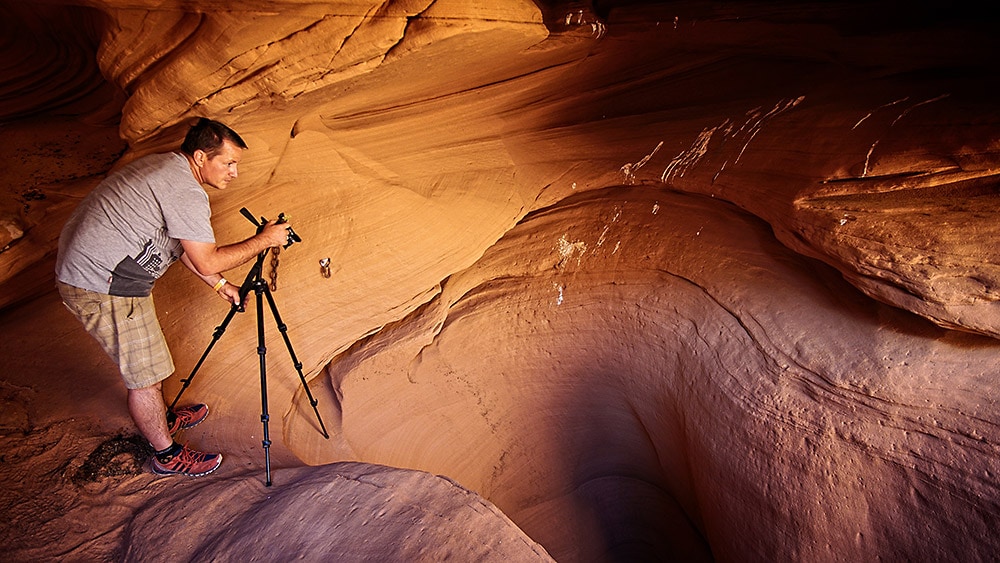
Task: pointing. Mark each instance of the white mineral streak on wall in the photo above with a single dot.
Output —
(721, 169)
(629, 169)
(901, 115)
(604, 233)
(686, 159)
(915, 106)
(883, 106)
(755, 121)
(868, 158)
(567, 249)
(759, 120)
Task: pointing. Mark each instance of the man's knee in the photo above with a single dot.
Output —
(150, 390)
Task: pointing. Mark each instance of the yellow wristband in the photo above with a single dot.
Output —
(219, 284)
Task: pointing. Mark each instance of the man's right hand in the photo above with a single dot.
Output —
(276, 234)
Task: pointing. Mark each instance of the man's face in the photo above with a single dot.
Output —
(220, 169)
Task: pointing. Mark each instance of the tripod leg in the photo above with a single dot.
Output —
(295, 361)
(216, 335)
(262, 352)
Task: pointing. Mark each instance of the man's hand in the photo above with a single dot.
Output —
(276, 233)
(207, 259)
(231, 293)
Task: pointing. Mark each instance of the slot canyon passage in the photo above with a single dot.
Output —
(609, 281)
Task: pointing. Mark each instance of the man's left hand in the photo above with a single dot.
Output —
(231, 293)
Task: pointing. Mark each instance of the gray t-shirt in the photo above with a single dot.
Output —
(127, 231)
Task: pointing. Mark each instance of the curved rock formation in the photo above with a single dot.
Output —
(319, 515)
(658, 374)
(657, 280)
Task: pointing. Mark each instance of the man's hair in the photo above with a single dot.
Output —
(208, 136)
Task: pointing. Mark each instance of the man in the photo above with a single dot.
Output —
(121, 238)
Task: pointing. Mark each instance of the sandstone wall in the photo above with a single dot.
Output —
(682, 280)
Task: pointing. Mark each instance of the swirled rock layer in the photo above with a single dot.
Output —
(681, 280)
(660, 376)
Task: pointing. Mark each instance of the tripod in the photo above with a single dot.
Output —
(254, 281)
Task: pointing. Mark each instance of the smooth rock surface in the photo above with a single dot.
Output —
(682, 280)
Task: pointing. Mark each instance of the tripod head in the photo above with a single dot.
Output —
(292, 236)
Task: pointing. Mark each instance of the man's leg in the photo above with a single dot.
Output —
(117, 323)
(150, 415)
(129, 332)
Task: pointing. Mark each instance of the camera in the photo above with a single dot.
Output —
(292, 236)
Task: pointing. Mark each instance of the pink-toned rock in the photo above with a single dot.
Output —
(339, 512)
(685, 281)
(659, 372)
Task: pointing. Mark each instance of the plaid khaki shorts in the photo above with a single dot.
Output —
(127, 329)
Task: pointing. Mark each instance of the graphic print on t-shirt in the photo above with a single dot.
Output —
(149, 259)
(134, 277)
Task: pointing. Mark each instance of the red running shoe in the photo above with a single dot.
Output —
(186, 417)
(187, 462)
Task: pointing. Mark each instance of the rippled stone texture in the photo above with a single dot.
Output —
(672, 280)
(656, 373)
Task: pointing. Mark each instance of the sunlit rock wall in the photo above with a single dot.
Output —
(669, 280)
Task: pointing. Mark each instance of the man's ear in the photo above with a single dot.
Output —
(200, 157)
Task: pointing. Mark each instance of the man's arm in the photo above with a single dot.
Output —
(208, 261)
(225, 290)
(210, 280)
